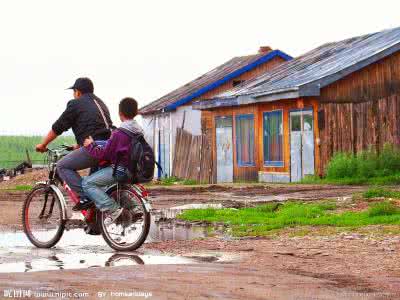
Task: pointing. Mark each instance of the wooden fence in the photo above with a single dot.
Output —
(192, 157)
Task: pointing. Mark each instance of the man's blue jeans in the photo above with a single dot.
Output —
(69, 166)
(94, 186)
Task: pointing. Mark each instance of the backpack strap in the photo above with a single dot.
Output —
(159, 166)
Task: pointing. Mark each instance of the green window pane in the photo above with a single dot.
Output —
(273, 138)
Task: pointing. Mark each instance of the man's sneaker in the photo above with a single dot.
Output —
(113, 216)
(83, 205)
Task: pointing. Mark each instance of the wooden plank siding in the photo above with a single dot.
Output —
(374, 82)
(361, 110)
(192, 157)
(353, 127)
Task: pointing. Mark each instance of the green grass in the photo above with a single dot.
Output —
(12, 149)
(263, 219)
(383, 180)
(20, 188)
(168, 181)
(367, 167)
(189, 182)
(378, 192)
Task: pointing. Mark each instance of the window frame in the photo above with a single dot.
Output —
(268, 163)
(249, 116)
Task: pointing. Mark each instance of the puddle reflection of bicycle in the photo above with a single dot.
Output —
(115, 260)
(44, 213)
(124, 260)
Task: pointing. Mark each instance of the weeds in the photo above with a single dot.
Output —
(378, 192)
(262, 219)
(175, 180)
(367, 167)
(382, 209)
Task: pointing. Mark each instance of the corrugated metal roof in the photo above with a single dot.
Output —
(210, 80)
(308, 73)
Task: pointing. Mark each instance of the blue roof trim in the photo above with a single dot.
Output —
(198, 93)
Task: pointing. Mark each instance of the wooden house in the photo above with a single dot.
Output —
(162, 117)
(288, 122)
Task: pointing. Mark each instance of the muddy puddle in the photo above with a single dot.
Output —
(77, 250)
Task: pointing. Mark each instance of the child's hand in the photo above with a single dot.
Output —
(88, 141)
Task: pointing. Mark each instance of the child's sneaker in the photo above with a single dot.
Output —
(113, 216)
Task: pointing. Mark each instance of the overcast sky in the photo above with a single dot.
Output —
(145, 49)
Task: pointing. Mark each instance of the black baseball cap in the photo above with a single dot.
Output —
(83, 84)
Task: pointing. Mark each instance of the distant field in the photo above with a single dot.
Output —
(12, 149)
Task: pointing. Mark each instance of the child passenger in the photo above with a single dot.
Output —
(116, 151)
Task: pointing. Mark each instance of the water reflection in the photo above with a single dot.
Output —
(71, 261)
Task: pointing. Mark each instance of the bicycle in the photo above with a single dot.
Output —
(45, 215)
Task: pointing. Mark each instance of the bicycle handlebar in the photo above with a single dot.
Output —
(61, 148)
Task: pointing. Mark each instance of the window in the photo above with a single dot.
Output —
(245, 140)
(237, 82)
(273, 138)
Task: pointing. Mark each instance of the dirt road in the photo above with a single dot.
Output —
(336, 266)
(286, 268)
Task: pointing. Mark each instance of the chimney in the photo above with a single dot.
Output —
(264, 49)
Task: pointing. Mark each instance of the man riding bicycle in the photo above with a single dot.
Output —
(87, 115)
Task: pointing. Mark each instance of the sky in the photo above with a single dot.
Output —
(145, 49)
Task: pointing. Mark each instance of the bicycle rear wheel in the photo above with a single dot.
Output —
(42, 217)
(128, 232)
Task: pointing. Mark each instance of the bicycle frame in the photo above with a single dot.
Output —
(89, 214)
(138, 189)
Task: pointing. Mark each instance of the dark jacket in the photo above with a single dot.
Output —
(83, 116)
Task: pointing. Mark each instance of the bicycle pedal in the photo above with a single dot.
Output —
(77, 216)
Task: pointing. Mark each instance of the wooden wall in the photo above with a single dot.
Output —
(361, 110)
(286, 106)
(242, 173)
(376, 81)
(192, 158)
(250, 173)
(208, 117)
(353, 127)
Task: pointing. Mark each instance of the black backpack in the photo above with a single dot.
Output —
(141, 158)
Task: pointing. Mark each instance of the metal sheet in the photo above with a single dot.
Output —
(224, 150)
(295, 156)
(301, 144)
(308, 144)
(164, 153)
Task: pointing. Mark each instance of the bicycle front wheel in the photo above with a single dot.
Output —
(42, 217)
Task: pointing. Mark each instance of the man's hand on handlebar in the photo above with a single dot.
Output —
(41, 148)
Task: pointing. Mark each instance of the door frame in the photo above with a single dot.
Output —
(309, 109)
(216, 144)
